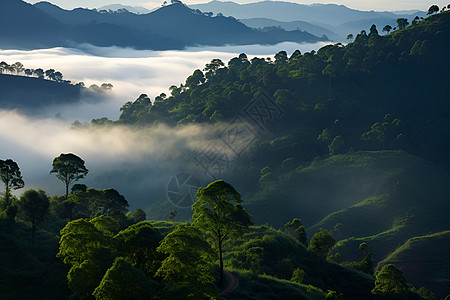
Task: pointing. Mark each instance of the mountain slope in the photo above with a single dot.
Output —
(33, 94)
(24, 25)
(287, 11)
(202, 29)
(294, 25)
(424, 260)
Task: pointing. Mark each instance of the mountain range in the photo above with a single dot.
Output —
(47, 25)
(339, 19)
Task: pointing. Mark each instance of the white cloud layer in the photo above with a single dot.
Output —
(132, 161)
(132, 72)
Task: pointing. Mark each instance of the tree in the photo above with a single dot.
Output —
(350, 37)
(123, 281)
(387, 28)
(138, 243)
(298, 275)
(212, 67)
(218, 210)
(89, 251)
(68, 168)
(281, 57)
(389, 280)
(402, 23)
(34, 205)
(336, 145)
(321, 243)
(296, 229)
(39, 73)
(11, 177)
(366, 265)
(188, 263)
(433, 9)
(373, 30)
(18, 67)
(50, 73)
(139, 215)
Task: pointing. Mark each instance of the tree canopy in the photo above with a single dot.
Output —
(218, 210)
(69, 168)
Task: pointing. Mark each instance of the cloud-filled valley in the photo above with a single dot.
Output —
(129, 160)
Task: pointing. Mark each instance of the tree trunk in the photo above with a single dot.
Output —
(67, 190)
(220, 264)
(33, 231)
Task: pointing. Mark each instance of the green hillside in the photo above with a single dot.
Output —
(424, 260)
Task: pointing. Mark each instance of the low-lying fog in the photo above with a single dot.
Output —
(133, 162)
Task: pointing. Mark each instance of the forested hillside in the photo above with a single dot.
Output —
(332, 183)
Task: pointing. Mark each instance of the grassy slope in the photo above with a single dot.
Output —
(280, 257)
(424, 260)
(267, 287)
(382, 198)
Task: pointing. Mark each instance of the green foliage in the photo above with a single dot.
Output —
(123, 281)
(68, 168)
(138, 244)
(389, 280)
(139, 215)
(296, 229)
(12, 179)
(34, 206)
(188, 262)
(219, 212)
(321, 243)
(298, 276)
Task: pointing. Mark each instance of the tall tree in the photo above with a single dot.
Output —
(433, 9)
(34, 207)
(296, 229)
(68, 168)
(123, 281)
(218, 210)
(188, 263)
(389, 280)
(402, 23)
(387, 28)
(321, 243)
(11, 177)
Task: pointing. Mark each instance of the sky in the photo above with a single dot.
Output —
(379, 5)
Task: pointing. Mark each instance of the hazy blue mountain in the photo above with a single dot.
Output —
(294, 25)
(133, 9)
(338, 20)
(202, 29)
(23, 25)
(287, 11)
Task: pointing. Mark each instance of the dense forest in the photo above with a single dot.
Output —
(338, 187)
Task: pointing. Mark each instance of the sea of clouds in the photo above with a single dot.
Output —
(132, 161)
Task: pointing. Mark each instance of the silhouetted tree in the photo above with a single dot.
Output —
(321, 243)
(34, 205)
(402, 23)
(11, 177)
(68, 168)
(433, 9)
(219, 212)
(387, 28)
(350, 37)
(373, 30)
